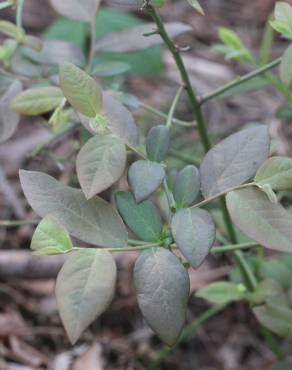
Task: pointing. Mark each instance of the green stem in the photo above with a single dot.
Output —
(219, 195)
(196, 107)
(158, 113)
(19, 13)
(238, 81)
(124, 249)
(173, 106)
(9, 223)
(187, 332)
(184, 76)
(233, 247)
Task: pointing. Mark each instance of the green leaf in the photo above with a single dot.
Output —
(284, 112)
(267, 223)
(266, 289)
(163, 287)
(100, 163)
(118, 118)
(84, 289)
(56, 52)
(282, 365)
(197, 6)
(186, 186)
(283, 18)
(110, 69)
(93, 221)
(64, 29)
(80, 90)
(11, 30)
(143, 219)
(143, 62)
(8, 119)
(83, 10)
(234, 160)
(286, 66)
(276, 172)
(145, 177)
(233, 47)
(49, 238)
(157, 143)
(134, 39)
(276, 270)
(222, 292)
(276, 317)
(38, 100)
(194, 233)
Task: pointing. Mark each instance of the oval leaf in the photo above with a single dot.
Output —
(145, 177)
(78, 10)
(39, 100)
(157, 143)
(118, 118)
(85, 287)
(163, 287)
(56, 52)
(194, 232)
(143, 219)
(81, 90)
(186, 186)
(50, 238)
(8, 120)
(93, 221)
(267, 223)
(222, 292)
(234, 160)
(100, 163)
(134, 39)
(276, 172)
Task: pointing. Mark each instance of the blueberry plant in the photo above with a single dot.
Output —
(238, 176)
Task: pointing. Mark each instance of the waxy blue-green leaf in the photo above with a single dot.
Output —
(234, 160)
(283, 18)
(8, 120)
(85, 287)
(143, 218)
(267, 223)
(118, 119)
(145, 177)
(49, 238)
(163, 287)
(100, 163)
(81, 90)
(186, 186)
(78, 10)
(222, 292)
(276, 172)
(286, 66)
(133, 39)
(93, 221)
(157, 143)
(39, 100)
(194, 232)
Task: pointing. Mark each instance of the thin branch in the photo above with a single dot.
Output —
(173, 106)
(161, 114)
(238, 81)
